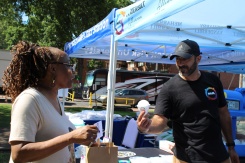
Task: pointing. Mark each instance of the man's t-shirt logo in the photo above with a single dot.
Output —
(211, 93)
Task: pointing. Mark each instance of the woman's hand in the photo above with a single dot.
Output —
(85, 135)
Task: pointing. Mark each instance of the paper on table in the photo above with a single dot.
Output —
(166, 146)
(167, 158)
(139, 159)
(100, 128)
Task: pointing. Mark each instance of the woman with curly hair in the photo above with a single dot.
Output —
(40, 130)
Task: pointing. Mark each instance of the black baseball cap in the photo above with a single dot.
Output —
(186, 49)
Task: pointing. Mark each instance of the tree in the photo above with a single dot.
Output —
(51, 23)
(94, 64)
(11, 27)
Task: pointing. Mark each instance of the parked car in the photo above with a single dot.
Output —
(127, 96)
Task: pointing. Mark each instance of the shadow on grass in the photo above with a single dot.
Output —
(4, 156)
(5, 112)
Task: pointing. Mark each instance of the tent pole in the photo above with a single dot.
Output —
(231, 81)
(110, 89)
(241, 80)
(109, 96)
(114, 65)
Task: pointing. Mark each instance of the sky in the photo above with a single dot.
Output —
(24, 18)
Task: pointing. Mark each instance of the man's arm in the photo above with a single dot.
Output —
(225, 121)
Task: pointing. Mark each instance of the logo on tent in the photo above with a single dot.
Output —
(119, 23)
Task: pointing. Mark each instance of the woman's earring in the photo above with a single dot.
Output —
(53, 83)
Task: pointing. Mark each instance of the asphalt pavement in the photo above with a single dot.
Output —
(80, 103)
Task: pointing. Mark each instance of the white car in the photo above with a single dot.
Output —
(128, 96)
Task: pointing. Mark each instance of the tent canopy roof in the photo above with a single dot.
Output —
(217, 26)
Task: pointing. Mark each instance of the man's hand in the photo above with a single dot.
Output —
(233, 155)
(143, 122)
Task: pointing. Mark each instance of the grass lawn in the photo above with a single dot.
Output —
(4, 157)
(5, 111)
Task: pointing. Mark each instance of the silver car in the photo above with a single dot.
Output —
(127, 96)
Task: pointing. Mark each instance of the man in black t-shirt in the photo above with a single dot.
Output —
(194, 101)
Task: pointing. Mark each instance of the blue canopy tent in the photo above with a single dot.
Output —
(98, 42)
(215, 24)
(218, 26)
(146, 32)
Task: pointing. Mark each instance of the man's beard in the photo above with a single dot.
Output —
(186, 71)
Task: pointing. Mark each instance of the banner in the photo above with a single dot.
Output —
(145, 12)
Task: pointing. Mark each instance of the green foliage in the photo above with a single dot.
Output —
(50, 23)
(11, 28)
(95, 64)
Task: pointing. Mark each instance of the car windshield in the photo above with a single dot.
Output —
(89, 80)
(118, 91)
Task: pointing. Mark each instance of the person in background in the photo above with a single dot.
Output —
(40, 131)
(194, 101)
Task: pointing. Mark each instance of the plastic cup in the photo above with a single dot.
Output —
(143, 105)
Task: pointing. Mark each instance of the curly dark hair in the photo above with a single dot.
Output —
(28, 66)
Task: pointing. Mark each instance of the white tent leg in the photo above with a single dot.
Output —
(110, 90)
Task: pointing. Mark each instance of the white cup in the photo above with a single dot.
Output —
(143, 105)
